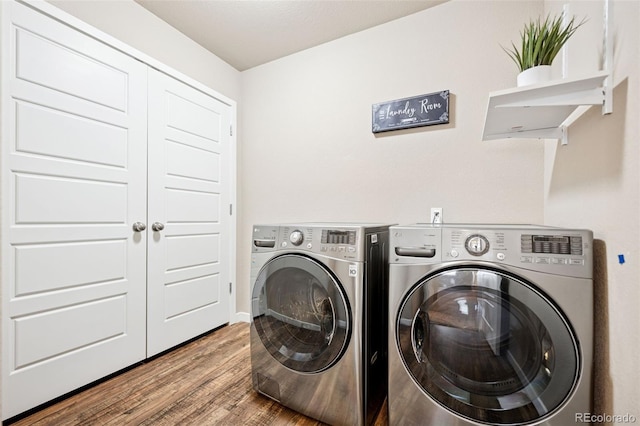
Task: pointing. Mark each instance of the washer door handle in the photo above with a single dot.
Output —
(415, 251)
(264, 243)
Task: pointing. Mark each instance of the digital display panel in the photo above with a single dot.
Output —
(332, 236)
(550, 239)
(551, 244)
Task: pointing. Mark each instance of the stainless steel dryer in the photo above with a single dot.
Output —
(489, 324)
(319, 318)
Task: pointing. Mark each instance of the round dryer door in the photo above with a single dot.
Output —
(488, 346)
(301, 313)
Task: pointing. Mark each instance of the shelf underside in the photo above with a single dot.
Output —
(539, 111)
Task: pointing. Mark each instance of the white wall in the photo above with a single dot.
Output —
(309, 153)
(594, 183)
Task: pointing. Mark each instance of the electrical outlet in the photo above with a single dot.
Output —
(436, 215)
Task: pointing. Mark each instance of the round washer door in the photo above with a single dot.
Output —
(487, 346)
(301, 314)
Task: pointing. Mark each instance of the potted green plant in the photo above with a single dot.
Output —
(540, 43)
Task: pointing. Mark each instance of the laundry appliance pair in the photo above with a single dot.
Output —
(479, 324)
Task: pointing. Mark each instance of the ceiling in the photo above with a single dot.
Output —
(247, 33)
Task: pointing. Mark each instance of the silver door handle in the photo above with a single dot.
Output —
(415, 251)
(157, 226)
(139, 226)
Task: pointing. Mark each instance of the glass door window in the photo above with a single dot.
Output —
(300, 313)
(488, 346)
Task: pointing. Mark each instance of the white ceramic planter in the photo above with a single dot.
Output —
(534, 75)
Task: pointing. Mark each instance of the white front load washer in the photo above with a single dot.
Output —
(319, 318)
(489, 324)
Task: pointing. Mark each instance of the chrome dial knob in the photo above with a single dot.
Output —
(477, 245)
(296, 238)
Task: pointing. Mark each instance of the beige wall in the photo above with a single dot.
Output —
(594, 183)
(308, 153)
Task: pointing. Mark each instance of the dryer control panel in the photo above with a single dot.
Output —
(345, 242)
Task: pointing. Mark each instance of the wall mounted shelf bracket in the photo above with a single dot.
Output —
(545, 110)
(541, 111)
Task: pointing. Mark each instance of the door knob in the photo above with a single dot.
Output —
(157, 226)
(139, 226)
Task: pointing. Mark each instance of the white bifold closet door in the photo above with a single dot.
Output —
(188, 272)
(93, 142)
(74, 179)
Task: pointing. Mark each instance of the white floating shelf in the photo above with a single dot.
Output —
(540, 110)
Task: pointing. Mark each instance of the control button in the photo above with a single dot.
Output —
(296, 238)
(576, 262)
(501, 256)
(352, 249)
(323, 248)
(309, 245)
(526, 259)
(477, 245)
(558, 261)
(454, 253)
(341, 249)
(542, 260)
(284, 244)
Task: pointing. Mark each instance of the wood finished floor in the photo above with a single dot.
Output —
(205, 382)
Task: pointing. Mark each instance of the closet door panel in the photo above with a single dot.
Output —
(53, 199)
(189, 186)
(73, 183)
(77, 138)
(102, 261)
(63, 69)
(191, 162)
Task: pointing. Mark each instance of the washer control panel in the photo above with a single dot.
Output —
(544, 249)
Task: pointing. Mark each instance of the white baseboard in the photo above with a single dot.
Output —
(241, 317)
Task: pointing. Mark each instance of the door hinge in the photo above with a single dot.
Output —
(230, 130)
(230, 209)
(230, 287)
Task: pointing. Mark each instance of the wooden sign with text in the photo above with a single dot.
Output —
(417, 111)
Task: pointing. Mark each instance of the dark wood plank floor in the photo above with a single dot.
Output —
(205, 382)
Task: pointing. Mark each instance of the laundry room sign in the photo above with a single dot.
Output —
(417, 111)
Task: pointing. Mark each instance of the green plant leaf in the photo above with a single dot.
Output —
(541, 41)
